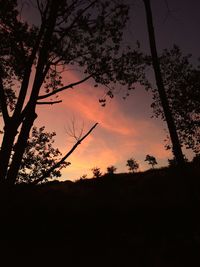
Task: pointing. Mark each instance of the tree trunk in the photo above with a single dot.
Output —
(20, 147)
(161, 90)
(10, 132)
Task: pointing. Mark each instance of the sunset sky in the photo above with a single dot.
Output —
(125, 128)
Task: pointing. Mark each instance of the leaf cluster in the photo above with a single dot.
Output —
(182, 85)
(40, 156)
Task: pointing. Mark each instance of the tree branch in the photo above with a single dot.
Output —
(71, 85)
(55, 166)
(71, 131)
(3, 103)
(43, 13)
(76, 19)
(49, 103)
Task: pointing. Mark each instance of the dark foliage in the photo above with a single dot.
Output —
(182, 85)
(40, 156)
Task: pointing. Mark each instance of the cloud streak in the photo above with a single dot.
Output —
(124, 130)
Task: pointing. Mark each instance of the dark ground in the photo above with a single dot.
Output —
(144, 219)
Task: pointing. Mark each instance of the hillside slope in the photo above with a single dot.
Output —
(142, 219)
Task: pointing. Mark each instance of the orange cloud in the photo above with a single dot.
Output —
(123, 131)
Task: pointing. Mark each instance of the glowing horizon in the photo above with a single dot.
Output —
(125, 129)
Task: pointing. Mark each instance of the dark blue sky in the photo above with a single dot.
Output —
(175, 21)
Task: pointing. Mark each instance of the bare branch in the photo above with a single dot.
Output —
(81, 132)
(71, 85)
(169, 13)
(43, 10)
(49, 103)
(39, 8)
(55, 166)
(72, 132)
(3, 104)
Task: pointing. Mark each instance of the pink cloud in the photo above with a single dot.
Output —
(121, 132)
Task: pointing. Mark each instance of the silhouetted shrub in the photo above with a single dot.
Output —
(96, 172)
(132, 165)
(151, 160)
(111, 169)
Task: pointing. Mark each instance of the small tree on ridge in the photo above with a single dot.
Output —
(132, 165)
(111, 169)
(96, 172)
(151, 160)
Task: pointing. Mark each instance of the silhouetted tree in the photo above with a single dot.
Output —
(39, 156)
(83, 33)
(111, 169)
(176, 147)
(132, 165)
(182, 85)
(151, 160)
(96, 172)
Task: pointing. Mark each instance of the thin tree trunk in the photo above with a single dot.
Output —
(161, 90)
(10, 132)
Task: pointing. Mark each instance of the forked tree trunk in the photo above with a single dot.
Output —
(161, 90)
(20, 148)
(10, 154)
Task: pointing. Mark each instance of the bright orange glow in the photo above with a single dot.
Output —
(125, 129)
